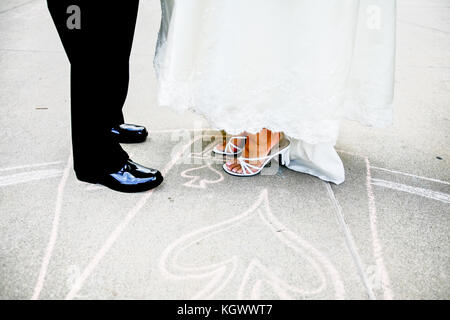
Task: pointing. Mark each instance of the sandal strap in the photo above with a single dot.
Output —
(269, 156)
(258, 159)
(246, 167)
(230, 144)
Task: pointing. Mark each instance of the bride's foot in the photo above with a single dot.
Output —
(232, 146)
(257, 146)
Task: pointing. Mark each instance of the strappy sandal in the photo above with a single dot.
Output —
(281, 150)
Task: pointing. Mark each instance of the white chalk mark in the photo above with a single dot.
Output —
(106, 246)
(257, 289)
(395, 171)
(410, 175)
(24, 177)
(73, 272)
(112, 238)
(374, 277)
(427, 193)
(221, 273)
(281, 287)
(197, 181)
(31, 166)
(295, 242)
(377, 248)
(350, 242)
(54, 231)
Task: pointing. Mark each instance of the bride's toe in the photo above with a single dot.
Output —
(231, 165)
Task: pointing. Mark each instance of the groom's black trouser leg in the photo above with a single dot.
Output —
(99, 52)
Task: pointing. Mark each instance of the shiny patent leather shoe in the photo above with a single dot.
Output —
(129, 133)
(131, 178)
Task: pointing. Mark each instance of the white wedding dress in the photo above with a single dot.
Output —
(296, 66)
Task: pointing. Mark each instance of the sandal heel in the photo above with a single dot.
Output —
(283, 157)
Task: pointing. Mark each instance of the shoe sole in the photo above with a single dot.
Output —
(130, 189)
(137, 188)
(131, 141)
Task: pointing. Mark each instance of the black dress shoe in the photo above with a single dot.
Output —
(129, 133)
(131, 178)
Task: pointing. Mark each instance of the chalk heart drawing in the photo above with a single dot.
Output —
(197, 181)
(282, 265)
